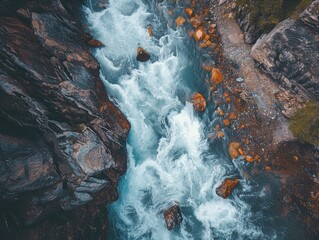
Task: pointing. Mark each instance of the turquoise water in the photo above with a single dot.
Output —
(170, 157)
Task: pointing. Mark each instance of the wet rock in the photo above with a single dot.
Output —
(142, 55)
(199, 34)
(233, 150)
(95, 43)
(180, 21)
(150, 30)
(216, 77)
(189, 12)
(173, 216)
(199, 102)
(61, 139)
(227, 187)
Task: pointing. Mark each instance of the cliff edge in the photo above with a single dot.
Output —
(62, 142)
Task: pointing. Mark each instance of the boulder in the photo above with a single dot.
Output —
(227, 187)
(180, 21)
(199, 34)
(142, 55)
(189, 12)
(216, 77)
(233, 150)
(199, 102)
(173, 216)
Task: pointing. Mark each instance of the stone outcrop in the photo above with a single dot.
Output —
(289, 53)
(62, 142)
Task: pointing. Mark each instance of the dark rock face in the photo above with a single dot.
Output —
(289, 53)
(142, 55)
(62, 142)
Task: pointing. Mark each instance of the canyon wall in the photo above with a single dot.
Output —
(62, 142)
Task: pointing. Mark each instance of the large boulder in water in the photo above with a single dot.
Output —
(142, 55)
(199, 102)
(227, 187)
(173, 216)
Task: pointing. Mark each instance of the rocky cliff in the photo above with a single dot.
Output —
(290, 53)
(62, 142)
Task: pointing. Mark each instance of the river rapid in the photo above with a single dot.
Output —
(170, 156)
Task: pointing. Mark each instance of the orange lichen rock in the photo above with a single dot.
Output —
(150, 30)
(267, 168)
(180, 21)
(208, 43)
(226, 94)
(216, 77)
(199, 34)
(206, 38)
(227, 187)
(220, 112)
(195, 22)
(249, 158)
(233, 116)
(220, 134)
(233, 150)
(199, 102)
(189, 12)
(226, 122)
(217, 128)
(240, 151)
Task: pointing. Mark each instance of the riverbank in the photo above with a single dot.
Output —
(266, 124)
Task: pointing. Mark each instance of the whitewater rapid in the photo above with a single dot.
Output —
(170, 159)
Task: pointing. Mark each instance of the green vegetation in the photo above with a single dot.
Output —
(267, 14)
(305, 123)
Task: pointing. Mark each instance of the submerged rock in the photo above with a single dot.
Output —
(142, 55)
(227, 187)
(173, 216)
(199, 102)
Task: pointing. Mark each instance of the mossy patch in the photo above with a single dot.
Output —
(305, 123)
(267, 14)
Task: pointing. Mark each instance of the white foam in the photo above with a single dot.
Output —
(168, 151)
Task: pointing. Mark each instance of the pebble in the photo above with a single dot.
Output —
(240, 80)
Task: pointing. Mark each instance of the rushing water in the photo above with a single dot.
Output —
(170, 158)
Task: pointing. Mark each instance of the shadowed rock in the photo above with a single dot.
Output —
(62, 142)
(142, 55)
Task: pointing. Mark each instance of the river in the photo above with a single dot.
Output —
(170, 156)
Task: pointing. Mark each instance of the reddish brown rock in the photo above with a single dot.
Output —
(199, 34)
(216, 77)
(227, 187)
(173, 216)
(199, 102)
(150, 30)
(233, 150)
(95, 43)
(180, 21)
(189, 12)
(142, 55)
